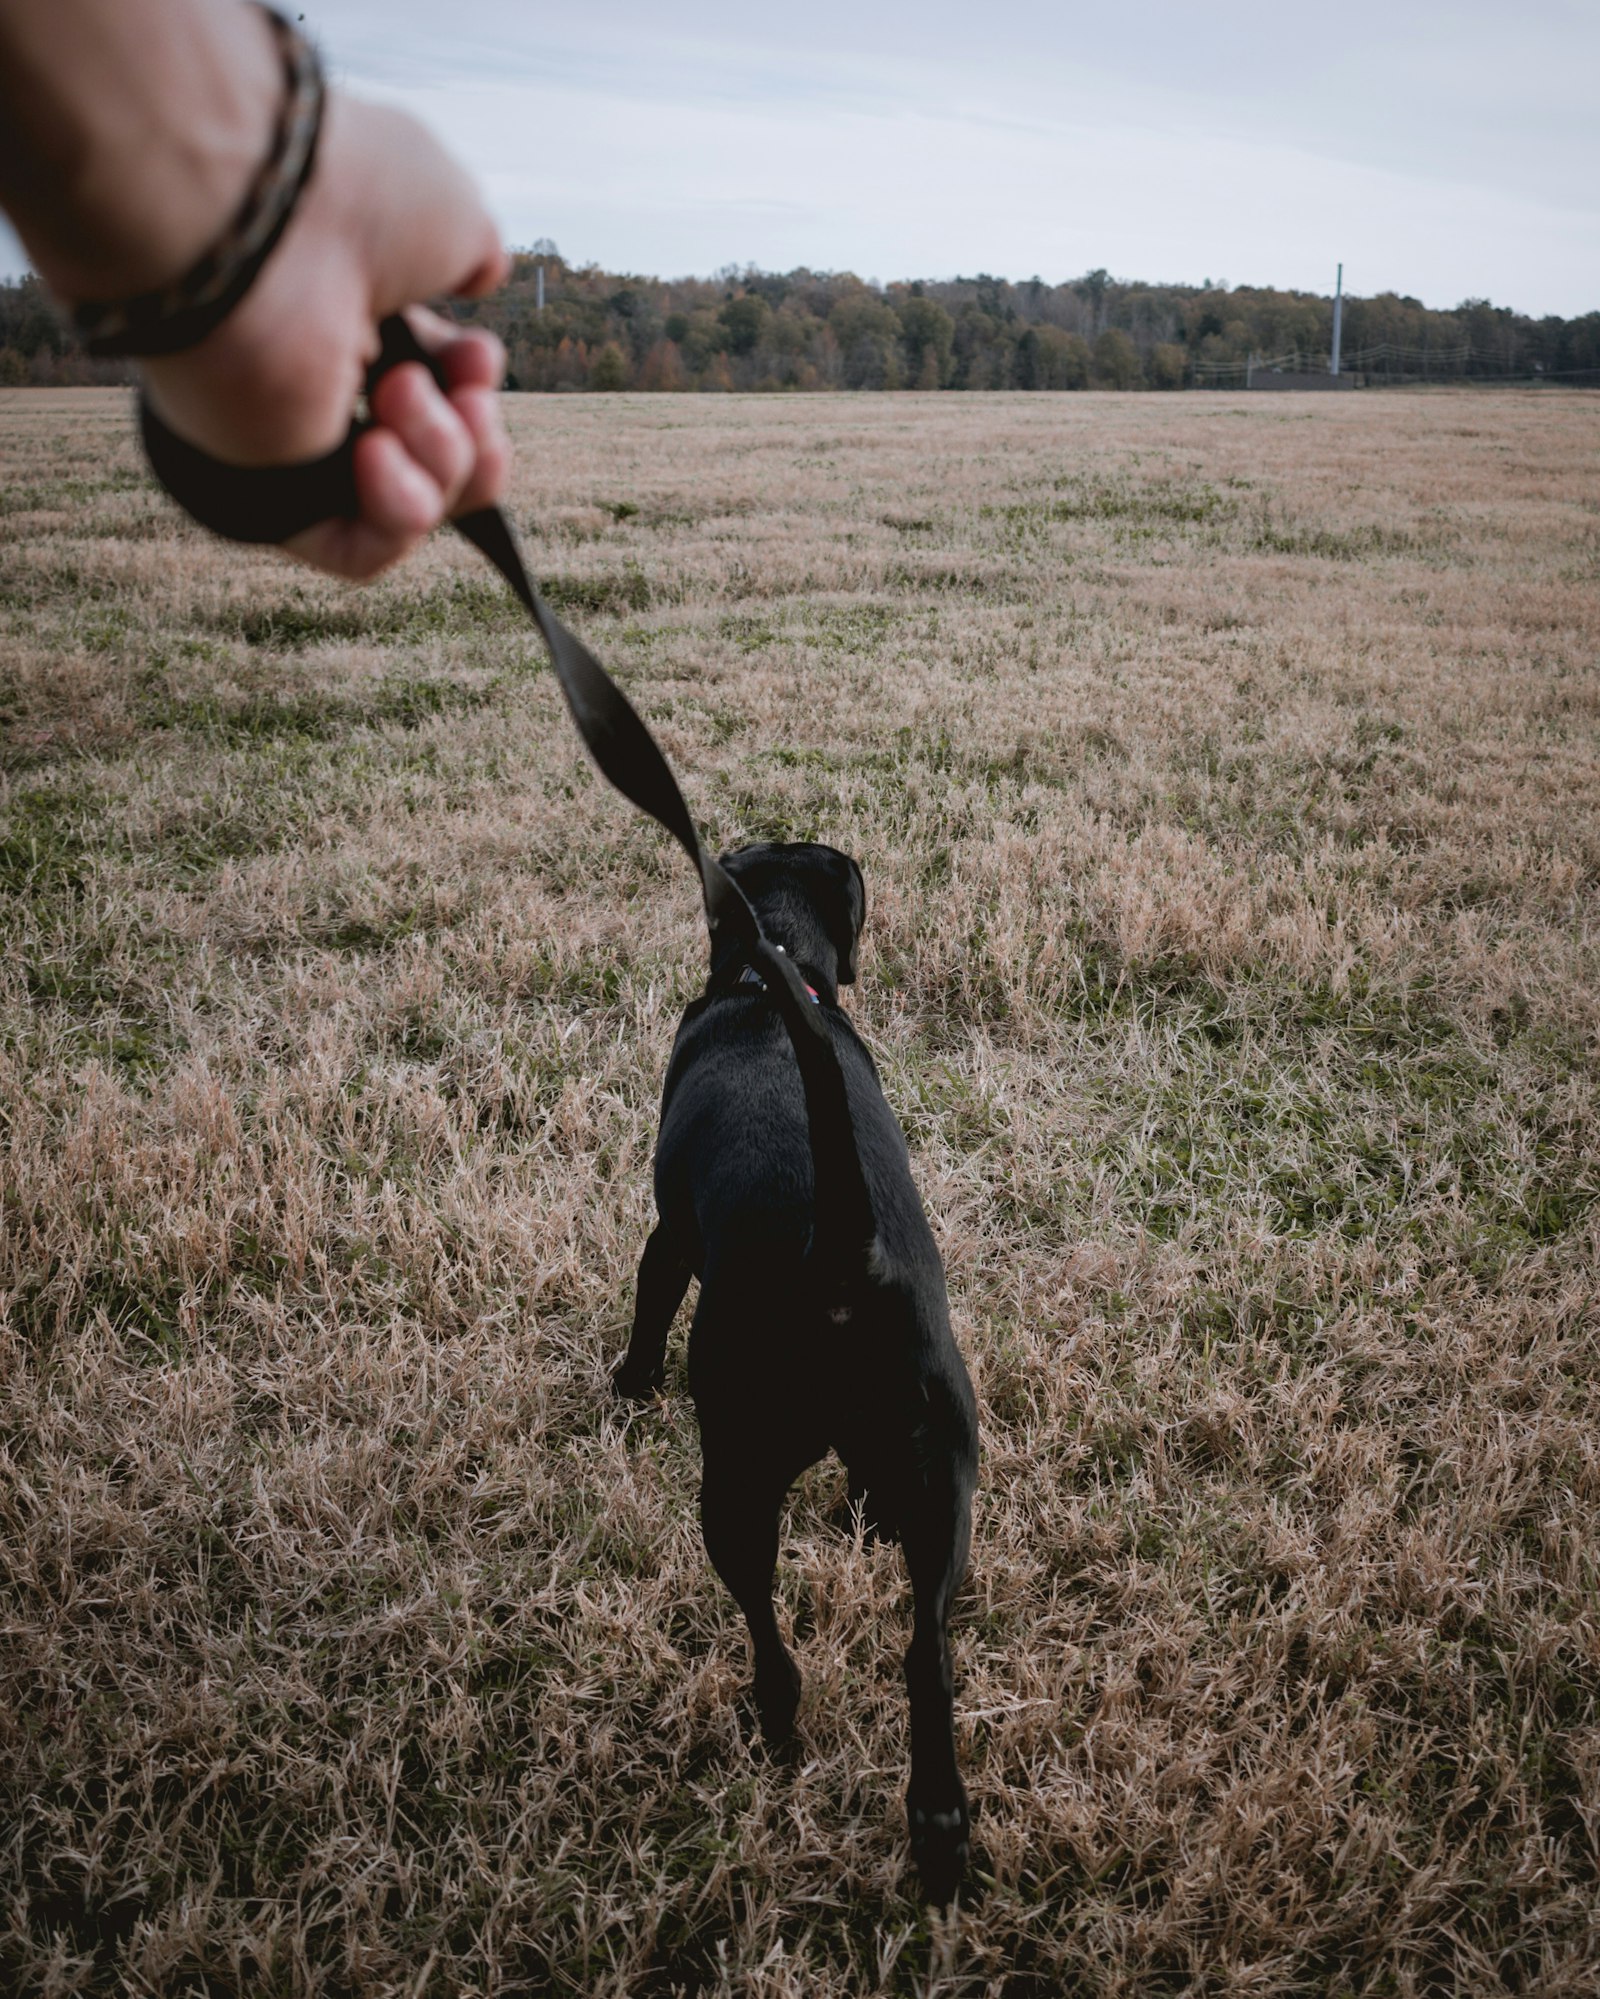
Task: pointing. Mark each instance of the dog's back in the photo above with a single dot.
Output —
(734, 1147)
(735, 1181)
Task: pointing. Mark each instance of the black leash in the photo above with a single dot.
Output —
(269, 504)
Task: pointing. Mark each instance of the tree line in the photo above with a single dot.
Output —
(758, 330)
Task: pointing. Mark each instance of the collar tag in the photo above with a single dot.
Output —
(751, 977)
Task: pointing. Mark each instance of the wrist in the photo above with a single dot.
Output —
(140, 155)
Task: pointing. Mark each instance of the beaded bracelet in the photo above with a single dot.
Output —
(181, 314)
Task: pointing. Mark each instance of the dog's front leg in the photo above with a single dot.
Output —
(663, 1279)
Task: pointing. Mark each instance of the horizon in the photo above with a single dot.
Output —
(13, 270)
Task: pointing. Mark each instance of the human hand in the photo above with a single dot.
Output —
(388, 218)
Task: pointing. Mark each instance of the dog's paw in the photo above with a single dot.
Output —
(940, 1841)
(637, 1384)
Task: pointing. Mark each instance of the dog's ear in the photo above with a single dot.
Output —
(852, 918)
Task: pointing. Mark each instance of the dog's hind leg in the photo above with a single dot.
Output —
(935, 1534)
(663, 1279)
(741, 1495)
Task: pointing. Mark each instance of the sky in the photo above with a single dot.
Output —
(1446, 151)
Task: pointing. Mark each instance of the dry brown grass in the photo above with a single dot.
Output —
(1227, 779)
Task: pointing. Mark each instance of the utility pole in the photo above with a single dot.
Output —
(538, 288)
(1338, 316)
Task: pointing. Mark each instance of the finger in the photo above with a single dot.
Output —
(408, 403)
(472, 356)
(399, 503)
(479, 410)
(474, 363)
(393, 492)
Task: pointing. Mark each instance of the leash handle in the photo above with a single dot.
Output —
(262, 504)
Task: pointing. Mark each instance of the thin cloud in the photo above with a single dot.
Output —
(1244, 144)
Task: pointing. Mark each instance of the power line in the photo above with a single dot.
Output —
(1386, 357)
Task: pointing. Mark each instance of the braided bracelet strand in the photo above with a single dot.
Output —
(181, 314)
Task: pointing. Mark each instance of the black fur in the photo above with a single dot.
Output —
(813, 1330)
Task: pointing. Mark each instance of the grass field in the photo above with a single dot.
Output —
(1226, 775)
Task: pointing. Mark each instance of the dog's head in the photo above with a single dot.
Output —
(811, 899)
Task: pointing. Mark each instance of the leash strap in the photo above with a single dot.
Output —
(271, 503)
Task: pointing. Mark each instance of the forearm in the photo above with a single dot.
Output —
(129, 132)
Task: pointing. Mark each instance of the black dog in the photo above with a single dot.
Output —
(784, 1185)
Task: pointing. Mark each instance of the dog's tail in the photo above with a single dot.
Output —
(844, 1230)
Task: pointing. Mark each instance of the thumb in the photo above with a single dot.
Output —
(428, 232)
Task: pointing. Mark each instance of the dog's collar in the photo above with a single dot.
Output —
(751, 977)
(740, 973)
